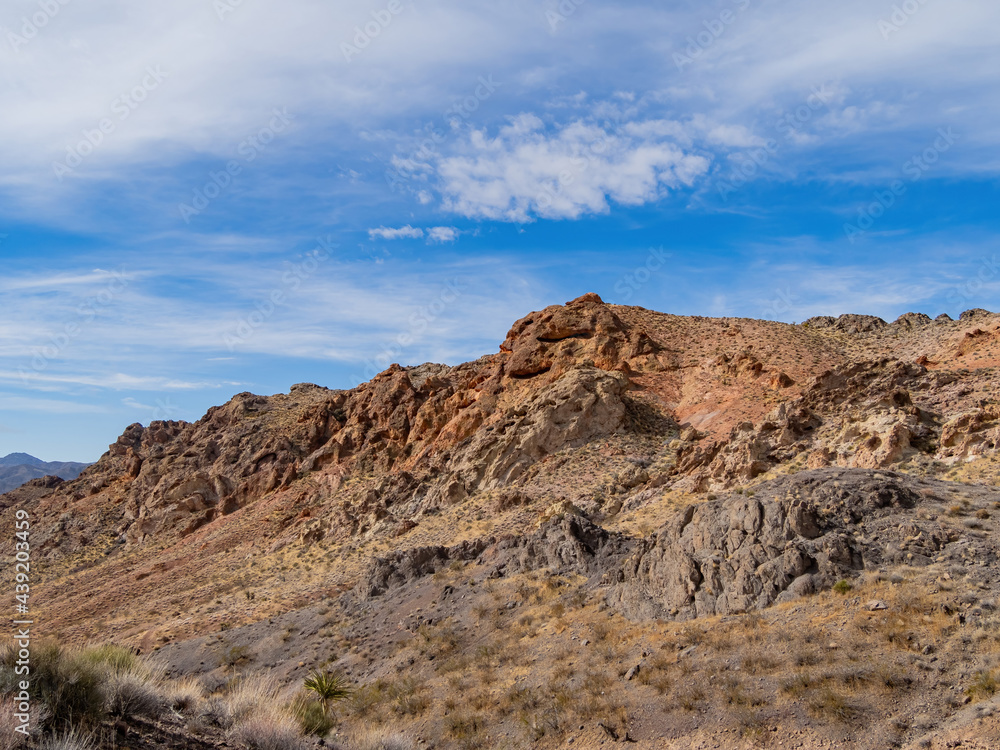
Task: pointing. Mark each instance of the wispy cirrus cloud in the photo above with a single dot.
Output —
(24, 404)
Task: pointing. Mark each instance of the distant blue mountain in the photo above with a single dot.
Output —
(18, 468)
(21, 459)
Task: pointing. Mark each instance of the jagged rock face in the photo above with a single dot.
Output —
(184, 476)
(745, 397)
(974, 313)
(404, 566)
(859, 416)
(794, 536)
(848, 323)
(583, 404)
(564, 544)
(558, 336)
(971, 435)
(912, 320)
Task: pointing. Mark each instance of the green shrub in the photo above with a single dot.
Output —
(114, 658)
(68, 685)
(313, 718)
(842, 587)
(984, 686)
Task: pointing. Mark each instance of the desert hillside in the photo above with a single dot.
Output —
(624, 525)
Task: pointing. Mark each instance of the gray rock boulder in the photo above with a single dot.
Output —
(797, 535)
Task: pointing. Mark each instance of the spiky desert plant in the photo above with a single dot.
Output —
(329, 688)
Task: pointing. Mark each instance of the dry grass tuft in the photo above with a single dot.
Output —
(268, 730)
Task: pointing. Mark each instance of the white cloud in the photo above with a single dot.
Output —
(401, 233)
(527, 171)
(65, 80)
(442, 234)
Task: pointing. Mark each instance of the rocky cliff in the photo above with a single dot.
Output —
(675, 468)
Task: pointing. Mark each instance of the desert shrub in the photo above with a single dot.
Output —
(601, 630)
(234, 655)
(71, 739)
(185, 694)
(366, 699)
(828, 703)
(68, 685)
(689, 695)
(409, 696)
(269, 730)
(464, 726)
(842, 587)
(73, 687)
(249, 696)
(112, 657)
(751, 723)
(313, 718)
(131, 693)
(758, 660)
(983, 686)
(9, 739)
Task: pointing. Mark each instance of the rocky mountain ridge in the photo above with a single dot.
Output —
(676, 469)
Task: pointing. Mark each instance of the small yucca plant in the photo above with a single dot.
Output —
(328, 687)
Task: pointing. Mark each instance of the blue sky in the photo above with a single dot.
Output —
(210, 196)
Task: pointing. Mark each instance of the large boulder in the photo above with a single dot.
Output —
(734, 554)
